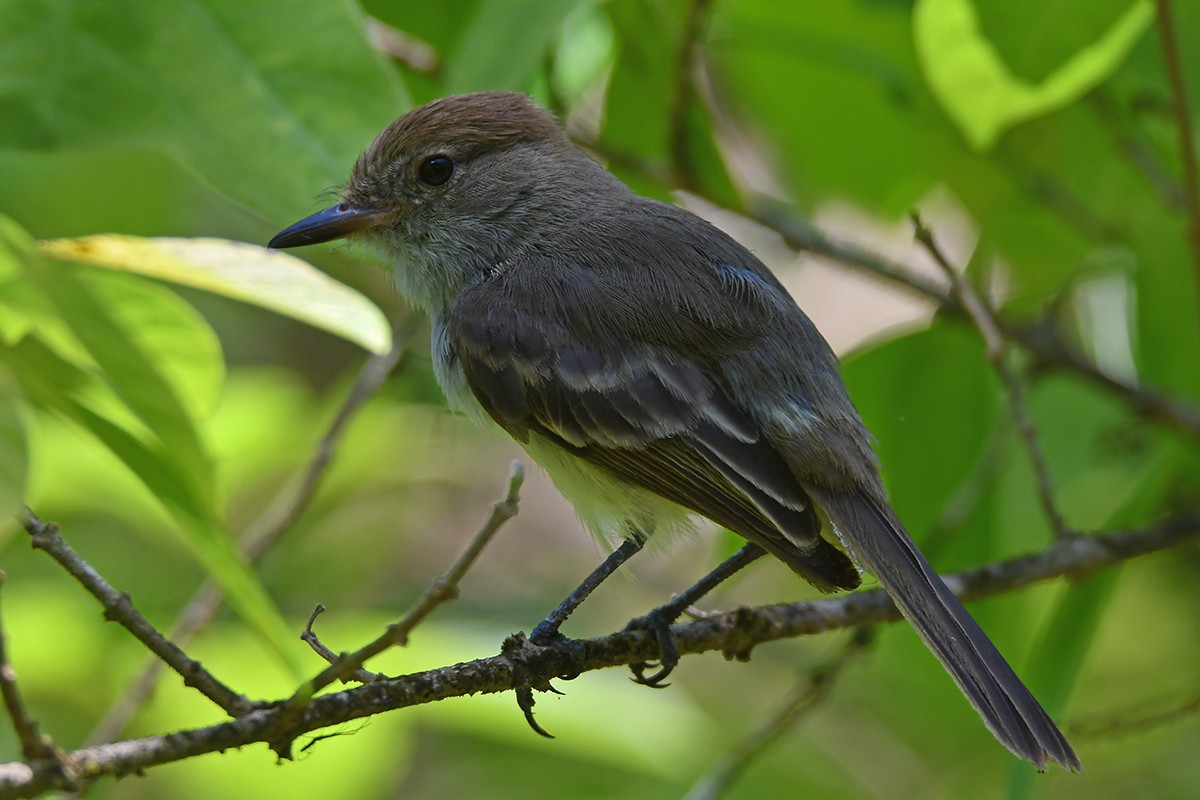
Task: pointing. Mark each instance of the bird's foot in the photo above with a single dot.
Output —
(567, 656)
(659, 623)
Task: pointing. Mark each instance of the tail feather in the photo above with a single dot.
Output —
(873, 534)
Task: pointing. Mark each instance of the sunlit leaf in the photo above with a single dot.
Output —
(136, 367)
(131, 363)
(266, 278)
(977, 88)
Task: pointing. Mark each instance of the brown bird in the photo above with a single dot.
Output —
(651, 364)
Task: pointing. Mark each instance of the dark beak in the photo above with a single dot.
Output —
(334, 222)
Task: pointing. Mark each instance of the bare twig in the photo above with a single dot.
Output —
(1043, 343)
(734, 633)
(309, 637)
(263, 532)
(443, 590)
(120, 609)
(1138, 721)
(34, 745)
(802, 236)
(1139, 155)
(815, 687)
(287, 507)
(1183, 125)
(997, 354)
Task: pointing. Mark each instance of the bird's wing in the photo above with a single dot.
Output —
(640, 385)
(647, 415)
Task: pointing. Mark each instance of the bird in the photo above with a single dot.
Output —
(651, 364)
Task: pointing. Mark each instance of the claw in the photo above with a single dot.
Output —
(525, 702)
(654, 681)
(660, 625)
(514, 647)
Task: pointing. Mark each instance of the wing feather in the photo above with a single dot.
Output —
(651, 418)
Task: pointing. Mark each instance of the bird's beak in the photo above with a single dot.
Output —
(334, 222)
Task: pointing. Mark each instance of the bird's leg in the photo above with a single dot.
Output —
(546, 632)
(547, 629)
(660, 619)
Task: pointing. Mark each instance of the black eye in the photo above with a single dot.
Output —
(436, 170)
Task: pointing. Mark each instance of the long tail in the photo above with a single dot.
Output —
(1009, 710)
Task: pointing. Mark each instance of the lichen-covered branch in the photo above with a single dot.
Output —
(734, 633)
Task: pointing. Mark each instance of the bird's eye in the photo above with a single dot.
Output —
(436, 170)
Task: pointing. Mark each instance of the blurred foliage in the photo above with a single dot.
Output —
(156, 421)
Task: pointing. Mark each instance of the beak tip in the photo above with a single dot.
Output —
(335, 222)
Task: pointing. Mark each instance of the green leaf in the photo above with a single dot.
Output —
(268, 105)
(14, 459)
(103, 313)
(931, 400)
(642, 107)
(136, 367)
(266, 278)
(834, 101)
(57, 384)
(979, 91)
(1061, 653)
(505, 43)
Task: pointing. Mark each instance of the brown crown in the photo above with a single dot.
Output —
(465, 123)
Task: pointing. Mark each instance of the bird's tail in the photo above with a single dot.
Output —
(874, 535)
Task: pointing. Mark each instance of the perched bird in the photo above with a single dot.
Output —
(651, 364)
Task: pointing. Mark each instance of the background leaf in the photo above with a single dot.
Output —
(232, 120)
(269, 279)
(14, 461)
(980, 92)
(235, 91)
(507, 41)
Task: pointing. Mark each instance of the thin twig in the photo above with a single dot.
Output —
(814, 688)
(1183, 125)
(120, 609)
(1138, 721)
(309, 637)
(443, 590)
(34, 745)
(288, 506)
(398, 45)
(1140, 156)
(734, 633)
(802, 236)
(263, 532)
(1044, 344)
(998, 354)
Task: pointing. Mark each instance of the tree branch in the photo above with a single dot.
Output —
(735, 633)
(443, 590)
(815, 687)
(120, 609)
(998, 354)
(34, 746)
(1042, 342)
(264, 531)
